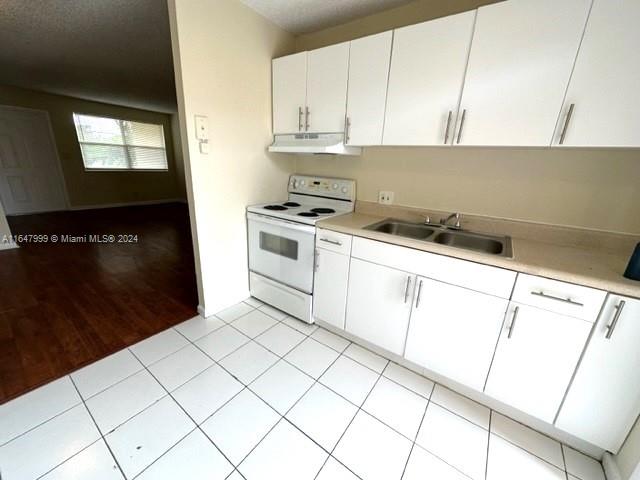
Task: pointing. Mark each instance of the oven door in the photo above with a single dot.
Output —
(282, 250)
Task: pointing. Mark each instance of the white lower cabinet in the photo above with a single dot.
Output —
(379, 304)
(453, 331)
(330, 287)
(537, 354)
(606, 388)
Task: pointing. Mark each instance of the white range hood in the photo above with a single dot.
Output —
(313, 144)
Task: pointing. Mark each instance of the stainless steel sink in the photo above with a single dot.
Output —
(416, 231)
(477, 242)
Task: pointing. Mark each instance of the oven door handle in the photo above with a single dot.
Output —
(279, 222)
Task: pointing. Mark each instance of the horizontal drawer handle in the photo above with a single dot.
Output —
(332, 242)
(559, 299)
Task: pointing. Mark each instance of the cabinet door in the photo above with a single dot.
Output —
(427, 72)
(519, 67)
(330, 287)
(327, 74)
(368, 74)
(379, 304)
(606, 388)
(604, 84)
(454, 331)
(536, 357)
(289, 92)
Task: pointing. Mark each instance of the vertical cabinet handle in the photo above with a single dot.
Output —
(446, 130)
(306, 118)
(464, 114)
(299, 119)
(419, 294)
(612, 326)
(567, 120)
(347, 128)
(513, 322)
(406, 289)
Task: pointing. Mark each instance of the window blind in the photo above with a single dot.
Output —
(114, 144)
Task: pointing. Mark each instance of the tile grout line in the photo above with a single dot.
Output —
(413, 443)
(429, 451)
(359, 408)
(564, 461)
(70, 458)
(486, 464)
(99, 431)
(41, 423)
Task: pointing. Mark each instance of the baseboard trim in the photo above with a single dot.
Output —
(8, 245)
(128, 204)
(202, 311)
(610, 467)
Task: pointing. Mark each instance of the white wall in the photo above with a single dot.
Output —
(222, 57)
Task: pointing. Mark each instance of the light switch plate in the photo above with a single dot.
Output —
(202, 127)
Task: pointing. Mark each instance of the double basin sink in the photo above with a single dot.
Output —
(432, 233)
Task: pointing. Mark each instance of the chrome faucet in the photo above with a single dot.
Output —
(456, 226)
(427, 220)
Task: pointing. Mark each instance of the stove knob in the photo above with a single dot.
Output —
(302, 183)
(344, 189)
(294, 184)
(335, 186)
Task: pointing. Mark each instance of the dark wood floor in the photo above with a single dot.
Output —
(63, 306)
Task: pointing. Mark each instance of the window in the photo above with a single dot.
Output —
(112, 144)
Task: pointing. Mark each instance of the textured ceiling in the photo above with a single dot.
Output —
(114, 51)
(305, 16)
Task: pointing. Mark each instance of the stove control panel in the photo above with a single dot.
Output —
(338, 188)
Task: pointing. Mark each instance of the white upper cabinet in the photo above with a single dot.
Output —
(453, 331)
(521, 59)
(604, 85)
(327, 73)
(368, 74)
(606, 388)
(289, 77)
(379, 304)
(536, 357)
(427, 72)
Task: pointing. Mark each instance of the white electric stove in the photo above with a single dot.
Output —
(282, 240)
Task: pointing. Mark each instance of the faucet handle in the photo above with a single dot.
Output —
(427, 220)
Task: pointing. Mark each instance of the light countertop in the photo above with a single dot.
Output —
(535, 252)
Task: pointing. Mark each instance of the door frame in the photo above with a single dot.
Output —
(52, 136)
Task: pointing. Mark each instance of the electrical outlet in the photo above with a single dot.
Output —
(385, 197)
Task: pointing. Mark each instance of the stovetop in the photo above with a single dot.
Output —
(311, 199)
(307, 213)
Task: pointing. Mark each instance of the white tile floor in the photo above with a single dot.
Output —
(254, 394)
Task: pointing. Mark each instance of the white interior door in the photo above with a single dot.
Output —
(453, 331)
(289, 77)
(604, 85)
(427, 71)
(368, 74)
(327, 74)
(536, 356)
(519, 68)
(30, 178)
